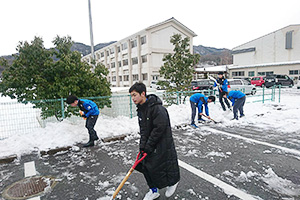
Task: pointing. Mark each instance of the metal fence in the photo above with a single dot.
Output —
(22, 118)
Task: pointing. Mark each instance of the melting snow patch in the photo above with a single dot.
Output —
(280, 185)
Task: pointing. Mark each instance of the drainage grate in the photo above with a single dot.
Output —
(29, 187)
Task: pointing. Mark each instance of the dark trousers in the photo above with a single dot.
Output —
(90, 123)
(141, 168)
(239, 106)
(221, 94)
(194, 107)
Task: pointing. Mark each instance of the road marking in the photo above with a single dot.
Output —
(285, 149)
(29, 169)
(228, 189)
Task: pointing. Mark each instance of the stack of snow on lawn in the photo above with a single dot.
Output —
(284, 117)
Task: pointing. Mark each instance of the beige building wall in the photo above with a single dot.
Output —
(144, 53)
(269, 54)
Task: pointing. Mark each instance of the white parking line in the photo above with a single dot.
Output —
(29, 169)
(228, 189)
(285, 149)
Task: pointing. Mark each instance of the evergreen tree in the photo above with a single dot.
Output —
(39, 74)
(178, 66)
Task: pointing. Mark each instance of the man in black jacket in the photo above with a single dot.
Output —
(160, 167)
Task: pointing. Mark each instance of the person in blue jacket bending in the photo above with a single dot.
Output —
(222, 84)
(238, 100)
(90, 112)
(198, 100)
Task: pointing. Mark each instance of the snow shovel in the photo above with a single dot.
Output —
(137, 161)
(210, 119)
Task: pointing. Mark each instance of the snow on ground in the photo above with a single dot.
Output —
(282, 117)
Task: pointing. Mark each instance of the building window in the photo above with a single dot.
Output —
(113, 65)
(114, 78)
(102, 54)
(119, 49)
(107, 53)
(125, 62)
(143, 40)
(120, 78)
(288, 40)
(133, 43)
(155, 77)
(135, 77)
(241, 73)
(293, 72)
(134, 61)
(144, 58)
(124, 46)
(145, 77)
(112, 50)
(269, 73)
(126, 77)
(120, 64)
(251, 73)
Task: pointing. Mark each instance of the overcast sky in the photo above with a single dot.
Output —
(218, 23)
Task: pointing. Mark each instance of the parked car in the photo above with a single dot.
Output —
(241, 84)
(204, 84)
(258, 81)
(161, 85)
(277, 79)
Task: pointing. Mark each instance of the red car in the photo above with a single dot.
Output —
(258, 81)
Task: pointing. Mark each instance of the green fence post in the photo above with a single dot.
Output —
(263, 100)
(130, 105)
(62, 108)
(279, 93)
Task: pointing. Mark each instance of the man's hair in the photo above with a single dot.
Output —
(212, 98)
(138, 87)
(71, 99)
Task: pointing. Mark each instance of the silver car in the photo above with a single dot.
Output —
(242, 85)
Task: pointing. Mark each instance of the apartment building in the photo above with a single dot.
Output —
(139, 57)
(275, 53)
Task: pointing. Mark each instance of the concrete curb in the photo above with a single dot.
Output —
(9, 159)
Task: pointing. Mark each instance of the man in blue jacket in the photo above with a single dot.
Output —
(90, 112)
(238, 100)
(198, 100)
(222, 84)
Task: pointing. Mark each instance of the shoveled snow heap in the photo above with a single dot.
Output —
(282, 116)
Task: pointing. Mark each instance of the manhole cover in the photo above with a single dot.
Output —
(29, 187)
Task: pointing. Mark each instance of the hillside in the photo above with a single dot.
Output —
(209, 55)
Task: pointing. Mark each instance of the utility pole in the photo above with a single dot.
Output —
(91, 33)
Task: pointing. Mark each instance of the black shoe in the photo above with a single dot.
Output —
(234, 119)
(242, 116)
(224, 109)
(89, 144)
(96, 138)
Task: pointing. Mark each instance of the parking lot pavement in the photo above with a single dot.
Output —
(240, 166)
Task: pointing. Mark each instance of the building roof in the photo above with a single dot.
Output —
(176, 22)
(220, 68)
(265, 65)
(265, 35)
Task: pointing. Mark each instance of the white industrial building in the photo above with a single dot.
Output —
(274, 53)
(140, 56)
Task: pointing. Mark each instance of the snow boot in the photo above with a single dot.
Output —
(194, 126)
(89, 144)
(170, 190)
(152, 194)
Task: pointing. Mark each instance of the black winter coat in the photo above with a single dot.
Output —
(157, 140)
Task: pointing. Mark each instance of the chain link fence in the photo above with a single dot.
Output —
(22, 118)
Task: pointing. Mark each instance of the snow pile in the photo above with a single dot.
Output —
(283, 117)
(280, 185)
